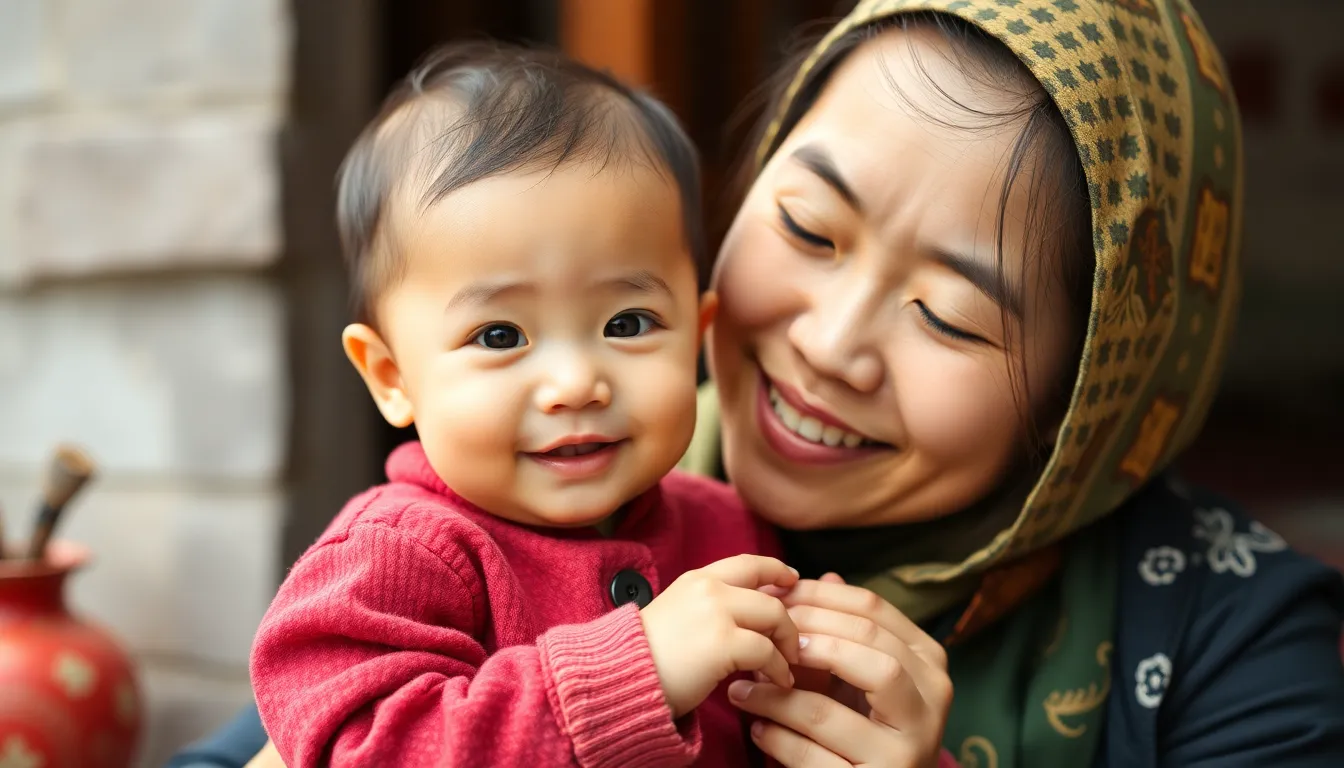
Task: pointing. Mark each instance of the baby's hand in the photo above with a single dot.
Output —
(713, 622)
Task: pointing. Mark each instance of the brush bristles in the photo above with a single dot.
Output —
(70, 469)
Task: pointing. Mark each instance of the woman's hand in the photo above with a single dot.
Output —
(900, 674)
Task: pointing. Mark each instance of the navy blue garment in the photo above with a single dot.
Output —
(1228, 643)
(230, 747)
(1227, 651)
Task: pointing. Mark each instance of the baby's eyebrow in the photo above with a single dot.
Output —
(641, 280)
(486, 291)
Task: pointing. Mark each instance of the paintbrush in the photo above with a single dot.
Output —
(69, 470)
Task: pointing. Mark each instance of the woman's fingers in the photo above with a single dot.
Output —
(808, 729)
(846, 598)
(857, 601)
(810, 619)
(791, 750)
(897, 695)
(861, 631)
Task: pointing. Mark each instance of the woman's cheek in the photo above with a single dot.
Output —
(754, 277)
(955, 407)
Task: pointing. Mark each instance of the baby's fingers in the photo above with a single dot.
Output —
(754, 652)
(751, 571)
(761, 613)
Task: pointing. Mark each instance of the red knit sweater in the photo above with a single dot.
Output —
(421, 631)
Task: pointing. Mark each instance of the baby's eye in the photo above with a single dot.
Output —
(500, 336)
(627, 325)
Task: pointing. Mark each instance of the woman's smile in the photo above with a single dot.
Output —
(804, 433)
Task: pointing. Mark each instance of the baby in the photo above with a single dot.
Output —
(531, 587)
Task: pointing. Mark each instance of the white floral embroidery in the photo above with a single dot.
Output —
(1230, 550)
(1161, 565)
(1152, 678)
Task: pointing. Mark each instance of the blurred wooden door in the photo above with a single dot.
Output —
(707, 59)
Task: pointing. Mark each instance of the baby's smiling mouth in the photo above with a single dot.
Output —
(578, 457)
(578, 449)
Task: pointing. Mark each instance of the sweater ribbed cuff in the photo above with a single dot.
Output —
(602, 682)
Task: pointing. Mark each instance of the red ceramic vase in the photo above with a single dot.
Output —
(68, 694)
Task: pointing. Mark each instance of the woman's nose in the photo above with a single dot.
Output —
(833, 336)
(572, 381)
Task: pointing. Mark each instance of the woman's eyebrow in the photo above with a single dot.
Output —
(818, 161)
(984, 277)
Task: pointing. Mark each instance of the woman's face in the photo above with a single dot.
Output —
(860, 349)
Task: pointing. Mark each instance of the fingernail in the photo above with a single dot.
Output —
(793, 570)
(758, 676)
(803, 640)
(757, 728)
(790, 679)
(739, 690)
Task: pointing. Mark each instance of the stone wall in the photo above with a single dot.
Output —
(139, 219)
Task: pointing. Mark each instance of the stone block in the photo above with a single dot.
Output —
(23, 30)
(176, 570)
(89, 196)
(173, 377)
(179, 49)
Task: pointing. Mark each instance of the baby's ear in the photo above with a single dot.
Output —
(709, 307)
(373, 359)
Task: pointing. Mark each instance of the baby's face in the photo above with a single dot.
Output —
(545, 333)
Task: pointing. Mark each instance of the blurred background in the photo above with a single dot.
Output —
(171, 293)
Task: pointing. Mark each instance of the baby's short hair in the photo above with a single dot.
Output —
(475, 110)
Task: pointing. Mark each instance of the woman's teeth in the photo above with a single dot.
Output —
(811, 429)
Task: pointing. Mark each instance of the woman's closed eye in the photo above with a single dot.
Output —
(500, 336)
(811, 238)
(940, 326)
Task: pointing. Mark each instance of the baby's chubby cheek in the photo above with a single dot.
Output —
(662, 406)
